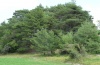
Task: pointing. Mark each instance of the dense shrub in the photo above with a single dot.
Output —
(87, 36)
(45, 41)
(22, 50)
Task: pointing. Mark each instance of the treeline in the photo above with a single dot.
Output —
(65, 27)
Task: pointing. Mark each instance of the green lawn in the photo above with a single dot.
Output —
(30, 59)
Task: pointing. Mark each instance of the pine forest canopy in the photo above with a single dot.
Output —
(44, 29)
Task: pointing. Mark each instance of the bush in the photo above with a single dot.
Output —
(87, 36)
(22, 50)
(67, 38)
(45, 41)
(75, 51)
(93, 47)
(5, 49)
(75, 55)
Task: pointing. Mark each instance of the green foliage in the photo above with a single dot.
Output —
(93, 47)
(5, 49)
(75, 51)
(69, 46)
(68, 38)
(22, 50)
(75, 55)
(70, 16)
(20, 33)
(45, 41)
(87, 35)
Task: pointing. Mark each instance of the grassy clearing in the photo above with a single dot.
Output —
(92, 60)
(30, 59)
